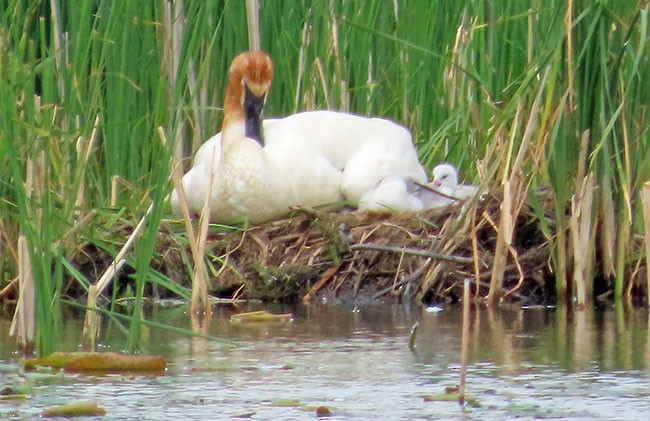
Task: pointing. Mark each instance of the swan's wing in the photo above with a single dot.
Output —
(392, 194)
(310, 178)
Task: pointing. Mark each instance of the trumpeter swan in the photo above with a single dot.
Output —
(309, 158)
(259, 183)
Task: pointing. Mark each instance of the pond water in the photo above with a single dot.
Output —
(524, 363)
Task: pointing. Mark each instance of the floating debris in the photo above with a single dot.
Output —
(450, 396)
(260, 316)
(107, 362)
(288, 403)
(14, 398)
(74, 409)
(323, 411)
(413, 336)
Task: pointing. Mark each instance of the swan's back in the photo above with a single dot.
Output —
(366, 150)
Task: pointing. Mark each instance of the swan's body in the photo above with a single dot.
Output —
(309, 181)
(354, 152)
(365, 150)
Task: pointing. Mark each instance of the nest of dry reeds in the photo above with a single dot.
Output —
(357, 257)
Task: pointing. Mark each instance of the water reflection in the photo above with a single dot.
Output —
(594, 339)
(559, 337)
(525, 363)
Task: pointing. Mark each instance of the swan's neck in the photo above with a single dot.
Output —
(233, 131)
(244, 100)
(253, 106)
(234, 117)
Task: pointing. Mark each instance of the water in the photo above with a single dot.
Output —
(524, 364)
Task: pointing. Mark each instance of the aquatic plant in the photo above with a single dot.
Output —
(519, 95)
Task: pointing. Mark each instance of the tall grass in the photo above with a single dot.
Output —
(87, 86)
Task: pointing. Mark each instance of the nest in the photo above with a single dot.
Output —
(350, 256)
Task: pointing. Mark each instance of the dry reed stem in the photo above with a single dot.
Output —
(403, 250)
(581, 235)
(475, 257)
(321, 74)
(325, 278)
(514, 198)
(645, 198)
(338, 63)
(253, 20)
(91, 322)
(84, 149)
(561, 270)
(11, 286)
(173, 28)
(460, 41)
(23, 324)
(305, 41)
(500, 257)
(608, 230)
(199, 296)
(176, 177)
(464, 348)
(58, 46)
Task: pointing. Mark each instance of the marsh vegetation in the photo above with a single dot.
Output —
(100, 98)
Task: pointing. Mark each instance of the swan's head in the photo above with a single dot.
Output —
(445, 175)
(249, 80)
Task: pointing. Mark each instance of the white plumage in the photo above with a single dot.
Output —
(308, 159)
(403, 194)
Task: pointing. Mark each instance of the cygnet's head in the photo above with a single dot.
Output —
(445, 175)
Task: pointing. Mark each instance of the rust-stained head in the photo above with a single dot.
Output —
(249, 80)
(252, 69)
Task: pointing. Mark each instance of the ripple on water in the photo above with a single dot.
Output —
(359, 366)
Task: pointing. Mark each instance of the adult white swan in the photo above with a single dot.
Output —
(309, 158)
(251, 181)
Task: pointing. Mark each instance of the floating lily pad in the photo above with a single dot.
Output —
(294, 403)
(112, 362)
(43, 378)
(452, 397)
(74, 409)
(15, 390)
(13, 398)
(54, 360)
(260, 316)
